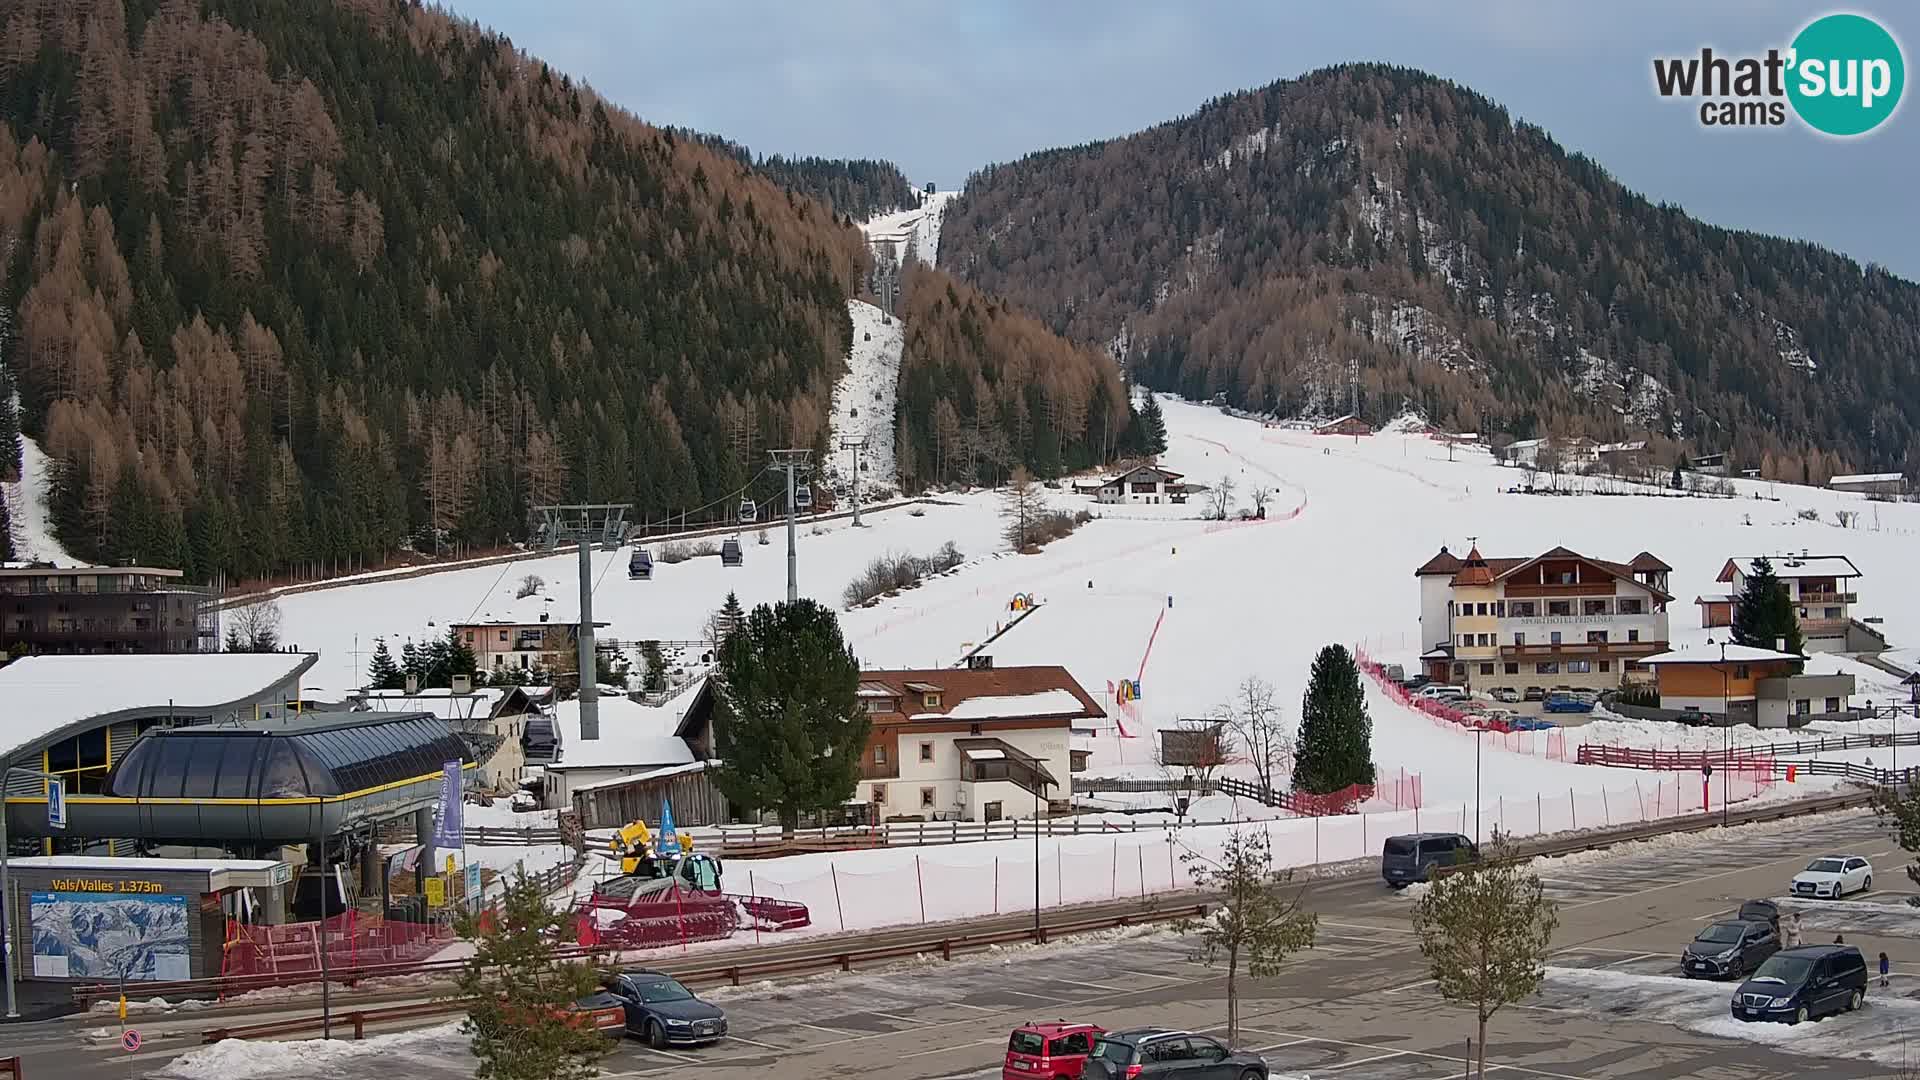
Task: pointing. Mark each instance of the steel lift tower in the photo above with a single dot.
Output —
(585, 524)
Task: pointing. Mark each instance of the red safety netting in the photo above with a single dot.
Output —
(1535, 740)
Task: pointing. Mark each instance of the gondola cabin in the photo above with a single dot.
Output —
(803, 498)
(730, 553)
(749, 513)
(640, 566)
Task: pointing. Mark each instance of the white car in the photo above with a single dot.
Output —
(1833, 876)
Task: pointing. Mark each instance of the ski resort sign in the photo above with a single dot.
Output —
(1842, 75)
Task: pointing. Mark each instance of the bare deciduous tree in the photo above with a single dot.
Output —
(1192, 751)
(1259, 725)
(1222, 498)
(1021, 506)
(1261, 496)
(529, 586)
(254, 628)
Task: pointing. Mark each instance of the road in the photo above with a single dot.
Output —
(1357, 1006)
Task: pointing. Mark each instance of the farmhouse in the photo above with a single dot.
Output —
(1344, 425)
(1891, 483)
(1823, 593)
(1143, 484)
(1556, 619)
(970, 744)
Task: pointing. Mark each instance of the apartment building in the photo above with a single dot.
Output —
(1555, 619)
(1822, 590)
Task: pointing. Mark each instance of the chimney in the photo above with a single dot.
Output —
(463, 684)
(413, 684)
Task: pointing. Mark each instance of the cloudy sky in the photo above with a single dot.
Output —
(942, 89)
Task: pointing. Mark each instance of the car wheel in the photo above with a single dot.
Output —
(1799, 1015)
(657, 1035)
(1856, 999)
(1867, 885)
(1396, 886)
(1253, 1074)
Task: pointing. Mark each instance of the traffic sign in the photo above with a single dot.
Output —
(56, 803)
(130, 1040)
(451, 866)
(436, 892)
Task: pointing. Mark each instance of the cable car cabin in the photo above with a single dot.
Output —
(803, 497)
(730, 553)
(749, 513)
(640, 567)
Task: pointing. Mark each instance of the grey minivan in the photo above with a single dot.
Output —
(1412, 857)
(1804, 984)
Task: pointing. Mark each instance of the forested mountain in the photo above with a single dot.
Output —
(858, 188)
(293, 284)
(1466, 263)
(984, 388)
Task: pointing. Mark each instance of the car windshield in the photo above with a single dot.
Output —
(1027, 1042)
(655, 990)
(1781, 967)
(1824, 866)
(1112, 1050)
(1725, 933)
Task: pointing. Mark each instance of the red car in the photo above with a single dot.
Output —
(1049, 1051)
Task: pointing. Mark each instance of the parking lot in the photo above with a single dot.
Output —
(1359, 1005)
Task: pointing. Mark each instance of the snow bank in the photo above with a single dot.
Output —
(243, 1059)
(864, 398)
(33, 538)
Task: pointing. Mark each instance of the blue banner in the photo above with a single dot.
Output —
(669, 840)
(449, 833)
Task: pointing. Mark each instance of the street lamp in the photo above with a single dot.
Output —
(1477, 733)
(1039, 794)
(8, 954)
(1726, 731)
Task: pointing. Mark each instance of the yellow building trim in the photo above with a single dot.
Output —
(29, 800)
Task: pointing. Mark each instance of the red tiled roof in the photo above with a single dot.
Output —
(959, 684)
(1475, 570)
(1646, 560)
(1444, 563)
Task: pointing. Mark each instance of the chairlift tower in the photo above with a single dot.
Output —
(585, 524)
(794, 462)
(855, 443)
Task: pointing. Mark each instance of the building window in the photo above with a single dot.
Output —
(1554, 637)
(1596, 637)
(991, 811)
(1594, 607)
(1483, 640)
(879, 755)
(1513, 669)
(1559, 607)
(1466, 640)
(1833, 613)
(1459, 670)
(1524, 609)
(926, 797)
(1630, 605)
(1500, 609)
(1479, 609)
(1740, 671)
(879, 793)
(1486, 669)
(931, 701)
(1519, 637)
(1606, 666)
(1633, 635)
(503, 635)
(1547, 667)
(926, 751)
(469, 637)
(1579, 667)
(1833, 704)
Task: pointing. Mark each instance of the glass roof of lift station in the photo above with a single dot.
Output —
(326, 757)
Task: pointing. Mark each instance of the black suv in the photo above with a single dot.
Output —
(1158, 1052)
(1732, 947)
(1803, 984)
(1410, 858)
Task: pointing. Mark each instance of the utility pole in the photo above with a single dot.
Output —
(855, 443)
(585, 522)
(793, 461)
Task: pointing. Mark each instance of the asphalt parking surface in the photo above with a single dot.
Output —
(1358, 1006)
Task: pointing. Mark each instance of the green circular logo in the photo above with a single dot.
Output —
(1847, 74)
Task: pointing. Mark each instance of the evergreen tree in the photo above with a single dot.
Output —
(6, 529)
(383, 673)
(1153, 427)
(655, 679)
(520, 995)
(233, 642)
(1763, 613)
(413, 661)
(1336, 734)
(731, 616)
(460, 658)
(789, 727)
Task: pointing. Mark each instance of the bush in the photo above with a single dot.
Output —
(1645, 695)
(1055, 524)
(1807, 514)
(893, 572)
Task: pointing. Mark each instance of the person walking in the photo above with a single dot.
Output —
(1886, 968)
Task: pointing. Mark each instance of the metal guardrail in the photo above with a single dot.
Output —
(356, 1020)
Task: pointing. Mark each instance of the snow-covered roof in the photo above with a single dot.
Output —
(644, 774)
(631, 735)
(1866, 478)
(1798, 566)
(441, 702)
(1711, 654)
(1013, 706)
(1622, 447)
(47, 694)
